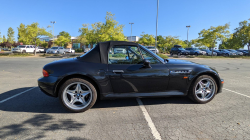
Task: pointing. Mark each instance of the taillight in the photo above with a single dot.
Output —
(45, 73)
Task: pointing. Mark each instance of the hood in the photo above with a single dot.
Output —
(180, 62)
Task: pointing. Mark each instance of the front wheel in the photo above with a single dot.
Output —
(77, 95)
(203, 89)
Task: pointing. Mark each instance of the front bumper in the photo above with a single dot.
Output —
(48, 85)
(220, 86)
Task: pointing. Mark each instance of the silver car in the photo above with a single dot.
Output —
(56, 50)
(153, 49)
(236, 52)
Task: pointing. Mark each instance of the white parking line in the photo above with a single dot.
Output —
(237, 92)
(151, 125)
(16, 95)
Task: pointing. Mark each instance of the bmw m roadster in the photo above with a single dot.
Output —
(119, 69)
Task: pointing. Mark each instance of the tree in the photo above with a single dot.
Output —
(61, 40)
(10, 35)
(147, 39)
(99, 32)
(210, 36)
(4, 39)
(44, 44)
(31, 34)
(241, 36)
(1, 39)
(67, 36)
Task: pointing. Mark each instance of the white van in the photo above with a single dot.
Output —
(24, 49)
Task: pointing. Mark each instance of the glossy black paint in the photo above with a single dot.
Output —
(127, 80)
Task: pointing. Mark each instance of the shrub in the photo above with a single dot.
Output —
(78, 50)
(119, 55)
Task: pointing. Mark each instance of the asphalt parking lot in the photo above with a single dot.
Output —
(33, 115)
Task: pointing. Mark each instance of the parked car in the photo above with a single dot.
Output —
(58, 50)
(245, 52)
(24, 49)
(178, 51)
(99, 75)
(209, 53)
(236, 52)
(40, 49)
(226, 52)
(219, 53)
(195, 51)
(86, 50)
(153, 49)
(5, 49)
(70, 50)
(120, 50)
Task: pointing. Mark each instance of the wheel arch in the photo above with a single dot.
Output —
(88, 78)
(209, 73)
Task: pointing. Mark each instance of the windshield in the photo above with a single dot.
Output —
(154, 54)
(54, 48)
(181, 49)
(21, 46)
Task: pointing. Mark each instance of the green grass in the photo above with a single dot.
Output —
(163, 56)
(4, 54)
(16, 54)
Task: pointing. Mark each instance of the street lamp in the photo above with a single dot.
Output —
(187, 33)
(156, 25)
(53, 22)
(131, 30)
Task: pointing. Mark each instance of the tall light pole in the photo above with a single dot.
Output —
(131, 30)
(187, 33)
(156, 26)
(53, 22)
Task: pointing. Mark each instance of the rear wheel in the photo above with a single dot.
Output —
(24, 51)
(196, 54)
(203, 89)
(171, 54)
(77, 95)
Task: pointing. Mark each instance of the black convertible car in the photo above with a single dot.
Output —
(132, 72)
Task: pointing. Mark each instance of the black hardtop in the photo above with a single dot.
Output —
(99, 54)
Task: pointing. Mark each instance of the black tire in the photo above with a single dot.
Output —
(73, 80)
(179, 54)
(192, 89)
(171, 54)
(196, 54)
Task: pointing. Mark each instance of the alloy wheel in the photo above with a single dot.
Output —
(205, 89)
(77, 95)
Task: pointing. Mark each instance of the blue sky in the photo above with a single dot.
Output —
(174, 15)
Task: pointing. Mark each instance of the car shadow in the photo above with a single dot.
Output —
(36, 101)
(43, 124)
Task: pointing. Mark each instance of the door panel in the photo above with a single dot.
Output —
(136, 78)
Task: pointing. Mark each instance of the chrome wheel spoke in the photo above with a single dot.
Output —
(82, 100)
(71, 92)
(73, 100)
(85, 93)
(78, 88)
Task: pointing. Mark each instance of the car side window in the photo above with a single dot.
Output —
(124, 55)
(149, 57)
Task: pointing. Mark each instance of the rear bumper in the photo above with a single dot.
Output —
(47, 85)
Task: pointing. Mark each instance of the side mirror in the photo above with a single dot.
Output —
(146, 63)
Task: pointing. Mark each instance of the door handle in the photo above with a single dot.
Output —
(118, 71)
